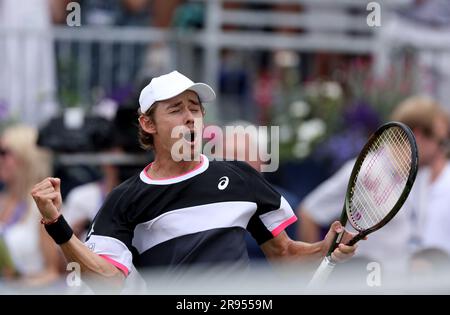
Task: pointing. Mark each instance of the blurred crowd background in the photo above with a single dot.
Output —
(316, 68)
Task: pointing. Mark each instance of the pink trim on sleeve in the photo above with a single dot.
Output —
(283, 225)
(116, 264)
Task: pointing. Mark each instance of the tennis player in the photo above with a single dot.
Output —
(181, 213)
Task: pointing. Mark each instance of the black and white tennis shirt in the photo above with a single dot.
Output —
(198, 217)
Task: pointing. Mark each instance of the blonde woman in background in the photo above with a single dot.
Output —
(27, 253)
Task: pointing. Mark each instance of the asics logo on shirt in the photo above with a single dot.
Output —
(223, 182)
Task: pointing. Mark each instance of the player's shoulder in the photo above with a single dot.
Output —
(127, 187)
(122, 198)
(240, 167)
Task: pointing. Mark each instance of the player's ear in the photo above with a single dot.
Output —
(147, 124)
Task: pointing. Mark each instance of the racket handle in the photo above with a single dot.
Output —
(338, 237)
(322, 273)
(356, 239)
(335, 243)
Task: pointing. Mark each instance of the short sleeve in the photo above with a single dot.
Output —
(273, 213)
(110, 235)
(324, 204)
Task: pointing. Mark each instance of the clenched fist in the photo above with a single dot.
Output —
(47, 195)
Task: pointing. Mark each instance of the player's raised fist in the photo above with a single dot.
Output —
(47, 195)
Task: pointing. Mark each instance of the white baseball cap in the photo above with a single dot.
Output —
(170, 85)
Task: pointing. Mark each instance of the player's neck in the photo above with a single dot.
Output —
(164, 167)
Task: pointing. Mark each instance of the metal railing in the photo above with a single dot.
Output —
(102, 159)
(89, 57)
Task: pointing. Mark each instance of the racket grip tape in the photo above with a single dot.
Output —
(322, 273)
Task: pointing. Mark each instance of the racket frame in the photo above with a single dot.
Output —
(356, 168)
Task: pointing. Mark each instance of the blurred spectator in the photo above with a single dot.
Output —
(58, 10)
(430, 203)
(27, 80)
(160, 56)
(27, 253)
(118, 13)
(135, 12)
(392, 245)
(164, 12)
(234, 85)
(111, 67)
(189, 15)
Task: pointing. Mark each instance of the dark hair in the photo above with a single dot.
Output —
(145, 138)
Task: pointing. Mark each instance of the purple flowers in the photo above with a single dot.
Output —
(4, 112)
(358, 122)
(361, 116)
(341, 147)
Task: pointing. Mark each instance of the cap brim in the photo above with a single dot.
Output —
(204, 92)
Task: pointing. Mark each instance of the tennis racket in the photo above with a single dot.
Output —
(381, 180)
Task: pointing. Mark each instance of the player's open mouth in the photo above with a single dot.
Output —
(189, 136)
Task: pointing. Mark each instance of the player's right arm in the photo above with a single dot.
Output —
(47, 195)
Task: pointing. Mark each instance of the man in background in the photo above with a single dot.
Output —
(418, 223)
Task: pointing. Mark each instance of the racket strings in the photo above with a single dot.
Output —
(381, 179)
(400, 168)
(386, 168)
(376, 167)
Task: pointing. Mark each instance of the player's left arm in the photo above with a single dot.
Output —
(283, 248)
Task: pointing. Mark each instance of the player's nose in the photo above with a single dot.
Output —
(188, 118)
